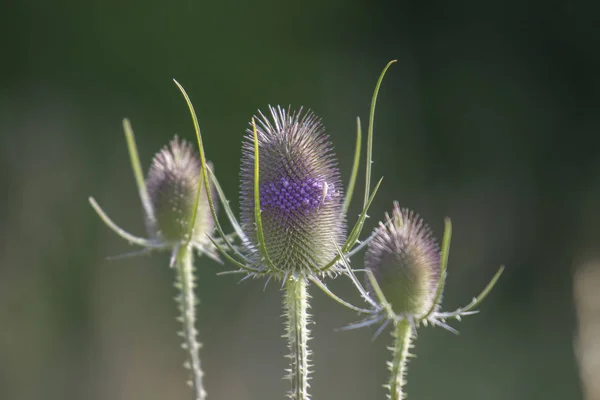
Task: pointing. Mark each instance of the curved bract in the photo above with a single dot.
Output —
(300, 191)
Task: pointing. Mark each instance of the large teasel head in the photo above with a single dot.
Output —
(172, 184)
(300, 192)
(404, 258)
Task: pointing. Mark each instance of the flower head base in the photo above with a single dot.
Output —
(404, 257)
(300, 191)
(172, 184)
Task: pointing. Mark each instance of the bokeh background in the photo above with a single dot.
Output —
(490, 117)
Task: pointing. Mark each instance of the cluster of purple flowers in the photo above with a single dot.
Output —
(295, 194)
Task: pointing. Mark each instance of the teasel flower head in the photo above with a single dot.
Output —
(172, 183)
(404, 258)
(176, 209)
(406, 272)
(179, 220)
(300, 192)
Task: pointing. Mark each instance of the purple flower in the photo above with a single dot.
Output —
(301, 195)
(405, 260)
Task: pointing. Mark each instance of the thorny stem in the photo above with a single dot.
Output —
(402, 335)
(187, 306)
(297, 333)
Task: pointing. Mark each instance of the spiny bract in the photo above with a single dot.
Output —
(405, 260)
(301, 195)
(172, 184)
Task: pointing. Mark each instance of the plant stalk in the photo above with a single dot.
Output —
(297, 333)
(187, 306)
(402, 335)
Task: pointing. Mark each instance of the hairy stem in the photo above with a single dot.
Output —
(297, 333)
(402, 335)
(187, 306)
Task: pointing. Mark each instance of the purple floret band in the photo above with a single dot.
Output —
(287, 194)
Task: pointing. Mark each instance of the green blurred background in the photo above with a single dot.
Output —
(490, 117)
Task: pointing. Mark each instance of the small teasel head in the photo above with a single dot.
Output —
(404, 257)
(300, 191)
(172, 184)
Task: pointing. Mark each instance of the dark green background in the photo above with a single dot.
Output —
(490, 117)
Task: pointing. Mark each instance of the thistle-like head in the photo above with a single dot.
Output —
(300, 191)
(404, 257)
(172, 184)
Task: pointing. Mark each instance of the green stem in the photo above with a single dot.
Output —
(297, 333)
(187, 306)
(402, 335)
